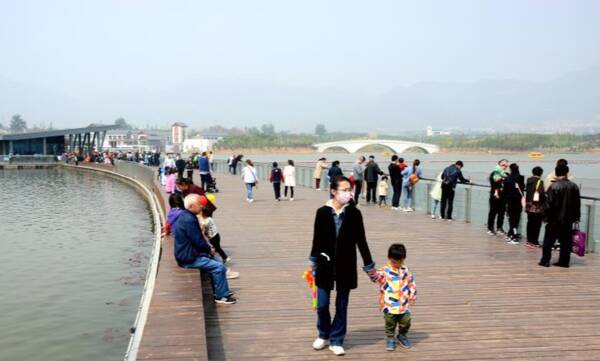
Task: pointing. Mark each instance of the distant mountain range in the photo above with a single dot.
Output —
(501, 105)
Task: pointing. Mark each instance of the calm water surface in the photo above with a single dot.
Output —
(73, 254)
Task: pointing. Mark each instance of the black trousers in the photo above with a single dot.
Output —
(447, 202)
(357, 189)
(180, 173)
(534, 225)
(397, 188)
(291, 191)
(190, 173)
(216, 243)
(204, 180)
(372, 192)
(514, 210)
(564, 234)
(496, 213)
(277, 189)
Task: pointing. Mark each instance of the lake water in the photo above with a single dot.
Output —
(584, 166)
(74, 248)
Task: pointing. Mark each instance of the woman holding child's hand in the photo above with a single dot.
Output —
(339, 230)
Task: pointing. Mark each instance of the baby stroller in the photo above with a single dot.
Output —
(212, 185)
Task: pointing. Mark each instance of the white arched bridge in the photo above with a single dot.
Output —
(396, 146)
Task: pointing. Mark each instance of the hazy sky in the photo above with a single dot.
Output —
(91, 48)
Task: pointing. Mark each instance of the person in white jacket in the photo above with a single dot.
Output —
(289, 179)
(436, 194)
(250, 179)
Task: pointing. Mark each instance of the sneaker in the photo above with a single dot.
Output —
(449, 220)
(229, 300)
(291, 199)
(404, 342)
(390, 344)
(544, 264)
(500, 233)
(491, 233)
(512, 241)
(232, 274)
(319, 343)
(395, 208)
(531, 245)
(410, 209)
(250, 200)
(318, 189)
(337, 350)
(558, 264)
(433, 216)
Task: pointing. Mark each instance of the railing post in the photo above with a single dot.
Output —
(468, 192)
(589, 227)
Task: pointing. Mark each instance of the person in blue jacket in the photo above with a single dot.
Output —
(193, 251)
(204, 171)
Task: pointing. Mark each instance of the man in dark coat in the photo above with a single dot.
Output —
(562, 210)
(450, 177)
(372, 173)
(395, 170)
(180, 165)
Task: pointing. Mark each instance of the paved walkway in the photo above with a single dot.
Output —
(479, 298)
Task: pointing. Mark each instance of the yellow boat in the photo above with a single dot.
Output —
(536, 155)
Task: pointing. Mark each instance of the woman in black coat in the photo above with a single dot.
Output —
(512, 192)
(338, 231)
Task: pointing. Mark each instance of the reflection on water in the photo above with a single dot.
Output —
(73, 254)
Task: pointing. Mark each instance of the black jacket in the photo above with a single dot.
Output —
(372, 172)
(340, 269)
(513, 189)
(180, 163)
(334, 171)
(531, 187)
(452, 175)
(395, 173)
(563, 203)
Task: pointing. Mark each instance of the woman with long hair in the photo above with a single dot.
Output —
(338, 231)
(410, 176)
(514, 186)
(250, 180)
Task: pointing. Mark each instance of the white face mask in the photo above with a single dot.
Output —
(343, 197)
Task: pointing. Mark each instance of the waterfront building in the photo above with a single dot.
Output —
(55, 142)
(179, 133)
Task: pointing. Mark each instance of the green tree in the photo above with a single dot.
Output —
(320, 130)
(267, 129)
(17, 124)
(122, 123)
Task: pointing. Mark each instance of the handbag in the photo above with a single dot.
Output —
(579, 239)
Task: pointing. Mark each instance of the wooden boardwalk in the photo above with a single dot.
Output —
(479, 298)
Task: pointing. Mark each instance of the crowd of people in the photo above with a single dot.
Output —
(339, 230)
(555, 200)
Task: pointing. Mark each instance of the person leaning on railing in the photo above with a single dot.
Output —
(450, 177)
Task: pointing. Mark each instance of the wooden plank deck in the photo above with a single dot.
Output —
(175, 327)
(479, 298)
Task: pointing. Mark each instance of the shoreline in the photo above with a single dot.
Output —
(310, 150)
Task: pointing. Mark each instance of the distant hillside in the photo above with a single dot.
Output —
(503, 105)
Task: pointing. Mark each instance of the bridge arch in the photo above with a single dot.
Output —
(396, 146)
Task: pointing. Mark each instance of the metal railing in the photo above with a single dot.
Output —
(28, 159)
(471, 201)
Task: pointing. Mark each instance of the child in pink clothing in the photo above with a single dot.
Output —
(171, 178)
